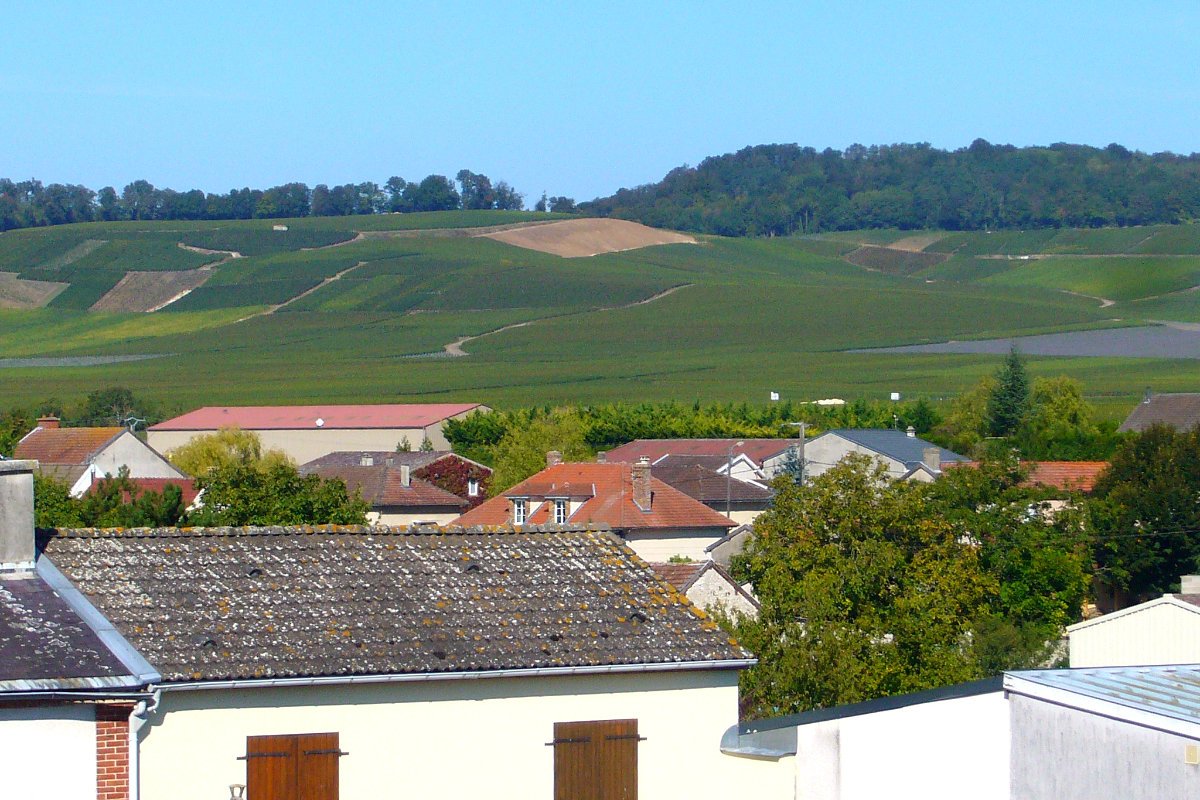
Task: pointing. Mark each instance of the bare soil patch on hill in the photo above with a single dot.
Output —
(576, 238)
(20, 293)
(893, 261)
(917, 242)
(150, 291)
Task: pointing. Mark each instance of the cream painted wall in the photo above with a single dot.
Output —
(458, 739)
(1160, 633)
(942, 750)
(662, 545)
(305, 445)
(48, 752)
(376, 517)
(132, 452)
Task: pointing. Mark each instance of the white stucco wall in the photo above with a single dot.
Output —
(458, 739)
(408, 518)
(941, 750)
(712, 591)
(48, 752)
(306, 445)
(1161, 633)
(828, 449)
(143, 462)
(655, 545)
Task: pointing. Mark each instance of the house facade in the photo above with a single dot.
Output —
(658, 521)
(905, 455)
(82, 456)
(309, 432)
(1165, 630)
(710, 587)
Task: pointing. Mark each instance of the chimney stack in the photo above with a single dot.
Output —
(912, 432)
(1189, 584)
(16, 516)
(933, 458)
(553, 458)
(48, 423)
(405, 476)
(602, 457)
(640, 473)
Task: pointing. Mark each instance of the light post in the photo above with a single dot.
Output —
(729, 477)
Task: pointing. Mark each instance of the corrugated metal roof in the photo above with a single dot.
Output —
(1171, 691)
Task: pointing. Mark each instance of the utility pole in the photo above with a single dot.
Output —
(801, 457)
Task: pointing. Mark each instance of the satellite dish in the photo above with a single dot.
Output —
(320, 422)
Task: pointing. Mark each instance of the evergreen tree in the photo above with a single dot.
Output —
(1009, 401)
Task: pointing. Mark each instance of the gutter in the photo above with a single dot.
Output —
(60, 695)
(424, 677)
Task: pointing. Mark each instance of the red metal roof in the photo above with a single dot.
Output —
(259, 418)
(611, 505)
(757, 450)
(65, 445)
(1074, 476)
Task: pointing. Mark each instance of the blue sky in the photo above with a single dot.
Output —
(573, 98)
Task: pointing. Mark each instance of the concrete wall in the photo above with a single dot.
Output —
(1161, 633)
(662, 545)
(827, 450)
(49, 752)
(942, 750)
(712, 591)
(1061, 753)
(306, 445)
(457, 739)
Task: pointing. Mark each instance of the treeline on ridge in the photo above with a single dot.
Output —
(29, 204)
(785, 189)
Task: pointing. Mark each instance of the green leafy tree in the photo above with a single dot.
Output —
(426, 445)
(225, 448)
(273, 494)
(53, 505)
(1144, 514)
(1009, 401)
(114, 502)
(522, 451)
(966, 423)
(865, 592)
(1061, 424)
(112, 406)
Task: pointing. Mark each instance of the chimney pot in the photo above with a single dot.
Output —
(933, 458)
(16, 516)
(912, 432)
(1189, 584)
(553, 458)
(640, 475)
(405, 476)
(602, 457)
(48, 422)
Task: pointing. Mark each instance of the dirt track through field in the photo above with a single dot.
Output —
(577, 238)
(455, 349)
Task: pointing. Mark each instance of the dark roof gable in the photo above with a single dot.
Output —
(244, 603)
(908, 450)
(1180, 411)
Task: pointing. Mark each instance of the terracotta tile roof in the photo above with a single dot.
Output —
(681, 576)
(305, 417)
(382, 486)
(1180, 411)
(611, 505)
(1072, 476)
(44, 644)
(757, 450)
(243, 603)
(65, 445)
(710, 487)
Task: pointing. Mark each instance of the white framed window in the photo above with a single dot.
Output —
(472, 487)
(560, 512)
(520, 511)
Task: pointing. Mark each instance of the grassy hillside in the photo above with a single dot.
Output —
(359, 315)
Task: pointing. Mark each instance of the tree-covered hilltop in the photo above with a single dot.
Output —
(783, 189)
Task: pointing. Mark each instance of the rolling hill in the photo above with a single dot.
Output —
(517, 308)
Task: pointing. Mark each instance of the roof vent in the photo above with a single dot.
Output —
(638, 616)
(252, 570)
(204, 641)
(472, 566)
(320, 423)
(439, 654)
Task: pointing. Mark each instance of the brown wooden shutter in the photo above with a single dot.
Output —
(595, 760)
(293, 767)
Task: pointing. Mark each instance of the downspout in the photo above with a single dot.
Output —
(137, 719)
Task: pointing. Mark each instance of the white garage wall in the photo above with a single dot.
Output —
(48, 752)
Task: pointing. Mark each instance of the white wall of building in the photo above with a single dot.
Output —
(49, 752)
(458, 739)
(306, 445)
(712, 591)
(662, 545)
(409, 517)
(940, 750)
(129, 451)
(1157, 632)
(823, 452)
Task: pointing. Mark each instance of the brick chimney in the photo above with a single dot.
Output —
(16, 516)
(640, 473)
(48, 423)
(553, 458)
(1189, 584)
(932, 456)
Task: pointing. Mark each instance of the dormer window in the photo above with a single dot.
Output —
(472, 487)
(520, 511)
(560, 512)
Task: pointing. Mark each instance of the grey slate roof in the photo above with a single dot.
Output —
(1180, 411)
(909, 450)
(709, 486)
(46, 646)
(243, 603)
